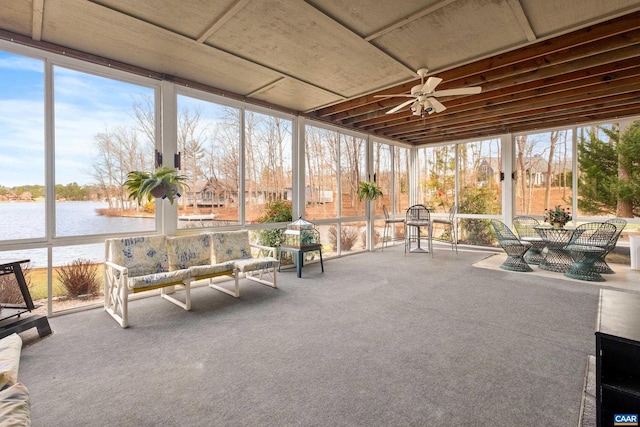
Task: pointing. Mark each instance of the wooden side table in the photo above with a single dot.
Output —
(11, 319)
(299, 253)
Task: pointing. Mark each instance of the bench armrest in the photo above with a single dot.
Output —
(116, 266)
(269, 249)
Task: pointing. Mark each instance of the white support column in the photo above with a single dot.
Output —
(508, 193)
(167, 144)
(369, 210)
(413, 176)
(299, 167)
(241, 181)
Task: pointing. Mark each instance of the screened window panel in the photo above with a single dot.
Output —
(479, 184)
(22, 148)
(321, 177)
(104, 128)
(268, 166)
(209, 144)
(542, 168)
(353, 166)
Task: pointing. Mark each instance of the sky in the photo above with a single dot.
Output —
(85, 105)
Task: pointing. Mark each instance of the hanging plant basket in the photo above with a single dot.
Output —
(163, 183)
(369, 191)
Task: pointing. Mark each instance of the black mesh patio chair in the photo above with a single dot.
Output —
(451, 225)
(514, 247)
(589, 244)
(524, 226)
(389, 224)
(601, 264)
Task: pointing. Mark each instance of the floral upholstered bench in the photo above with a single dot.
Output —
(144, 263)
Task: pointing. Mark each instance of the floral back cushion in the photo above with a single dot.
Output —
(230, 245)
(141, 255)
(189, 251)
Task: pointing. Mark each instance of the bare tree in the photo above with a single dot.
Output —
(118, 152)
(191, 141)
(553, 139)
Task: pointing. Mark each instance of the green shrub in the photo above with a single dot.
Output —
(478, 200)
(79, 278)
(275, 211)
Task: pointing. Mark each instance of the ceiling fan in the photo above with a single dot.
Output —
(423, 96)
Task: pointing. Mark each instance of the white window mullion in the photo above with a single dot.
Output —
(167, 144)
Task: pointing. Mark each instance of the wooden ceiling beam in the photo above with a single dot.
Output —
(537, 116)
(530, 91)
(569, 120)
(571, 81)
(541, 76)
(515, 109)
(588, 35)
(584, 58)
(579, 116)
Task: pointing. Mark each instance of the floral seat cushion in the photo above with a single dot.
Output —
(231, 246)
(254, 264)
(211, 270)
(188, 251)
(159, 279)
(141, 255)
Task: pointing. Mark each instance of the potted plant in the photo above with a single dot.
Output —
(557, 216)
(369, 191)
(163, 183)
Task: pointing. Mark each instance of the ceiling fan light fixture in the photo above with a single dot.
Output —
(425, 95)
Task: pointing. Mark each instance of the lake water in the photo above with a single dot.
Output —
(26, 220)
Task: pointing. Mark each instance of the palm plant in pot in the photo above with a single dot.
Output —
(369, 191)
(163, 183)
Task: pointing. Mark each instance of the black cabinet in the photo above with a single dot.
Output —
(617, 356)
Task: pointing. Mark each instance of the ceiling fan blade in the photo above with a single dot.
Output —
(459, 91)
(431, 84)
(437, 105)
(404, 95)
(399, 107)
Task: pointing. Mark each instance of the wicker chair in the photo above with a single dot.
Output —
(514, 247)
(524, 226)
(601, 265)
(589, 244)
(451, 224)
(389, 223)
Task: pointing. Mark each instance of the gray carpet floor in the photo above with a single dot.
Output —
(379, 339)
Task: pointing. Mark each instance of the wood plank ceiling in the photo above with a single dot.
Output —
(588, 75)
(540, 63)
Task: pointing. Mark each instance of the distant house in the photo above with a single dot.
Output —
(207, 193)
(24, 197)
(486, 171)
(314, 195)
(535, 170)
